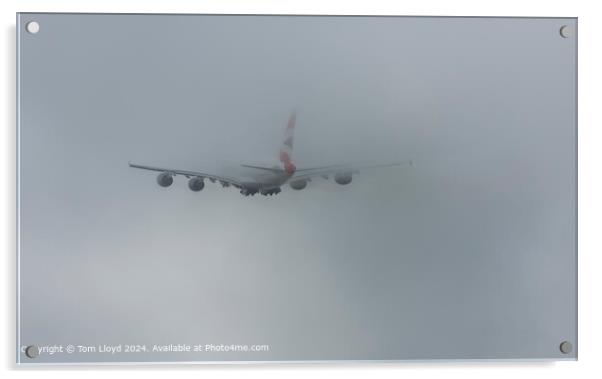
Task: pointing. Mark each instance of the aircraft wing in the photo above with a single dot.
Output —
(325, 171)
(213, 177)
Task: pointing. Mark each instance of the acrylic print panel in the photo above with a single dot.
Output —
(208, 188)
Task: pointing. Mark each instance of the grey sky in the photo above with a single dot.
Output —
(466, 245)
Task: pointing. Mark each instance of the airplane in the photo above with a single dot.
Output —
(266, 180)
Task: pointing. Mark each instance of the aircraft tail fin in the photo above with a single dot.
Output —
(286, 150)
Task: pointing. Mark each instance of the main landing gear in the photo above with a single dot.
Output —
(271, 191)
(264, 192)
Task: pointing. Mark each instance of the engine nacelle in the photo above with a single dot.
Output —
(343, 178)
(298, 184)
(164, 179)
(196, 184)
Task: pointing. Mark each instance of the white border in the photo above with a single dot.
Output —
(590, 186)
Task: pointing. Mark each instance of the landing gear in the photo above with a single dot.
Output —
(271, 191)
(247, 192)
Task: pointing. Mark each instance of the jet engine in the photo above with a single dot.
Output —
(196, 184)
(164, 179)
(298, 184)
(342, 178)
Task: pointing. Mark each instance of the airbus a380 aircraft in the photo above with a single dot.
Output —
(266, 180)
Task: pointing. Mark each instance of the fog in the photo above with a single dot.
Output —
(436, 260)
